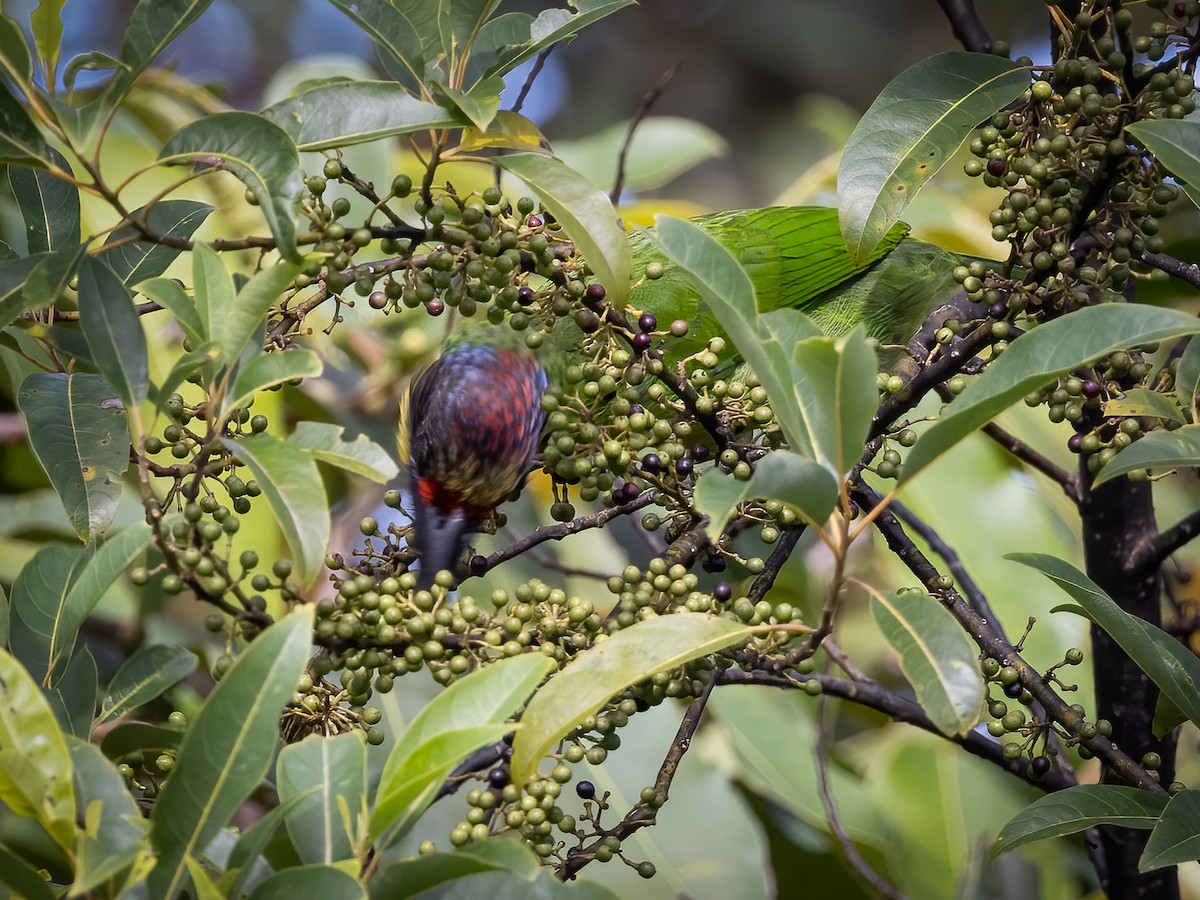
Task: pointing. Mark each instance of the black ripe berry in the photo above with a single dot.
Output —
(641, 342)
(586, 790)
(997, 167)
(498, 777)
(647, 322)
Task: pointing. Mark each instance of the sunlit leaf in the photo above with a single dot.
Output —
(268, 370)
(360, 456)
(1144, 402)
(78, 430)
(507, 131)
(598, 674)
(228, 748)
(478, 105)
(1077, 808)
(337, 767)
(910, 131)
(808, 488)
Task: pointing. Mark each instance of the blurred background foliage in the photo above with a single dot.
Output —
(767, 94)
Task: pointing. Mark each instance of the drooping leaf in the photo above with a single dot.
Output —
(228, 748)
(38, 596)
(49, 205)
(1174, 143)
(728, 290)
(507, 131)
(1176, 837)
(35, 765)
(89, 61)
(323, 825)
(470, 713)
(598, 674)
(937, 657)
(46, 24)
(256, 150)
(910, 131)
(808, 488)
(143, 677)
(153, 25)
(138, 260)
(1160, 449)
(393, 33)
(1169, 664)
(360, 456)
(268, 370)
(78, 431)
(293, 490)
(309, 881)
(170, 295)
(1038, 357)
(72, 693)
(1077, 808)
(585, 213)
(478, 105)
(20, 141)
(353, 112)
(113, 330)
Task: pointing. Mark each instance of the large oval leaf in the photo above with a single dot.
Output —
(584, 212)
(611, 665)
(77, 427)
(808, 488)
(228, 748)
(317, 822)
(1040, 356)
(113, 330)
(49, 205)
(1176, 837)
(38, 596)
(1076, 808)
(135, 261)
(938, 659)
(910, 131)
(1174, 143)
(1157, 450)
(268, 370)
(144, 676)
(260, 153)
(326, 882)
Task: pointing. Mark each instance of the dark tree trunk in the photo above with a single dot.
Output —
(1118, 519)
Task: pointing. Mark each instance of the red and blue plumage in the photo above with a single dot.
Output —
(474, 419)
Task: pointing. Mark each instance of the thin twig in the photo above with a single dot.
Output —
(532, 77)
(1068, 481)
(648, 101)
(1168, 541)
(558, 532)
(779, 555)
(1189, 272)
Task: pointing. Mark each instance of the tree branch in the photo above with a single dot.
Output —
(1189, 272)
(966, 25)
(1068, 481)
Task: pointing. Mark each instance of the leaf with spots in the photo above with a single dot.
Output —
(910, 131)
(77, 427)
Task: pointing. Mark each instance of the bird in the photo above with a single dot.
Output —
(472, 420)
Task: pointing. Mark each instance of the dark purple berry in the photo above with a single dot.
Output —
(1075, 443)
(534, 222)
(998, 310)
(699, 452)
(1092, 388)
(435, 307)
(595, 292)
(587, 321)
(498, 777)
(525, 295)
(714, 563)
(1013, 690)
(586, 790)
(1039, 766)
(479, 565)
(683, 467)
(1179, 9)
(647, 322)
(641, 704)
(629, 491)
(651, 463)
(723, 592)
(641, 342)
(997, 167)
(636, 408)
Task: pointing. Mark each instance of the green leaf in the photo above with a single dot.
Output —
(253, 842)
(114, 831)
(324, 824)
(38, 595)
(14, 52)
(23, 878)
(584, 212)
(170, 295)
(1187, 375)
(809, 489)
(552, 26)
(911, 130)
(20, 140)
(1167, 717)
(500, 885)
(92, 61)
(228, 748)
(138, 260)
(46, 24)
(729, 292)
(143, 677)
(48, 279)
(153, 25)
(204, 356)
(236, 329)
(478, 105)
(136, 737)
(257, 151)
(360, 456)
(1157, 450)
(393, 33)
(662, 149)
(834, 382)
(49, 205)
(596, 675)
(1077, 808)
(35, 765)
(937, 657)
(411, 877)
(1038, 357)
(113, 330)
(326, 882)
(354, 112)
(78, 431)
(470, 713)
(507, 131)
(203, 886)
(1143, 402)
(1176, 837)
(72, 693)
(292, 487)
(14, 275)
(214, 291)
(1170, 665)
(1174, 143)
(267, 370)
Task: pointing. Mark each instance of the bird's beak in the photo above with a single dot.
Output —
(440, 536)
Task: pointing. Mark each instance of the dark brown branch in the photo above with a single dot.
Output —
(1155, 553)
(1189, 272)
(648, 101)
(533, 74)
(72, 315)
(643, 815)
(780, 555)
(1068, 481)
(966, 25)
(576, 525)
